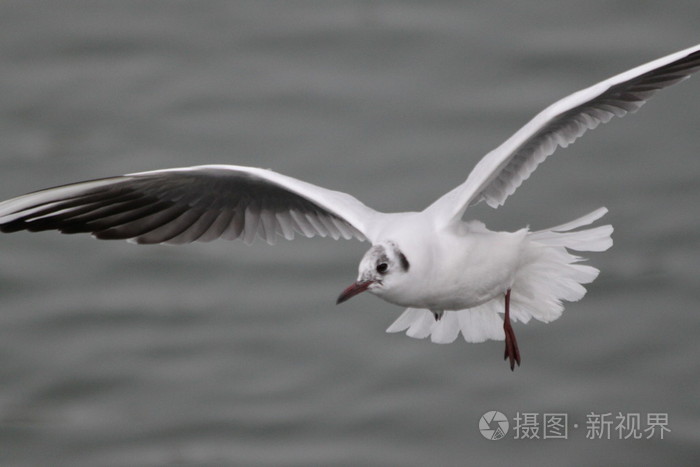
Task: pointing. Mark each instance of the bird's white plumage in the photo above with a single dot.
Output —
(454, 276)
(547, 275)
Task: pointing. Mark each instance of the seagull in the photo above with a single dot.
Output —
(451, 275)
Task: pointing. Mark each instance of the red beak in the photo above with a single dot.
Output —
(354, 289)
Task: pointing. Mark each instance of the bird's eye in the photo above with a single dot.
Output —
(382, 268)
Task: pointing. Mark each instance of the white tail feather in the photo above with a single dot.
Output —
(588, 219)
(547, 275)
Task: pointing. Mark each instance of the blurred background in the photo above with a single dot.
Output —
(221, 354)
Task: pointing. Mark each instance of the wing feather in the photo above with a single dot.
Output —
(502, 171)
(191, 204)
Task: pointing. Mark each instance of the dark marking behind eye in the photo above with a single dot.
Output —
(404, 262)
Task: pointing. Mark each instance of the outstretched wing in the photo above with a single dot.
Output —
(191, 204)
(500, 172)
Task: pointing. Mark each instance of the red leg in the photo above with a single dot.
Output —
(512, 352)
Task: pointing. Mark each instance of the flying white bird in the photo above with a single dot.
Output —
(451, 275)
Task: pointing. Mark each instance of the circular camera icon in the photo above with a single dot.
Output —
(493, 425)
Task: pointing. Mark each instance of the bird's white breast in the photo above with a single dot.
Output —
(457, 268)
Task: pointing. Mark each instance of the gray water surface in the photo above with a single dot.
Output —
(222, 354)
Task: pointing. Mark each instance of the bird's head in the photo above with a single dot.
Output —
(383, 266)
